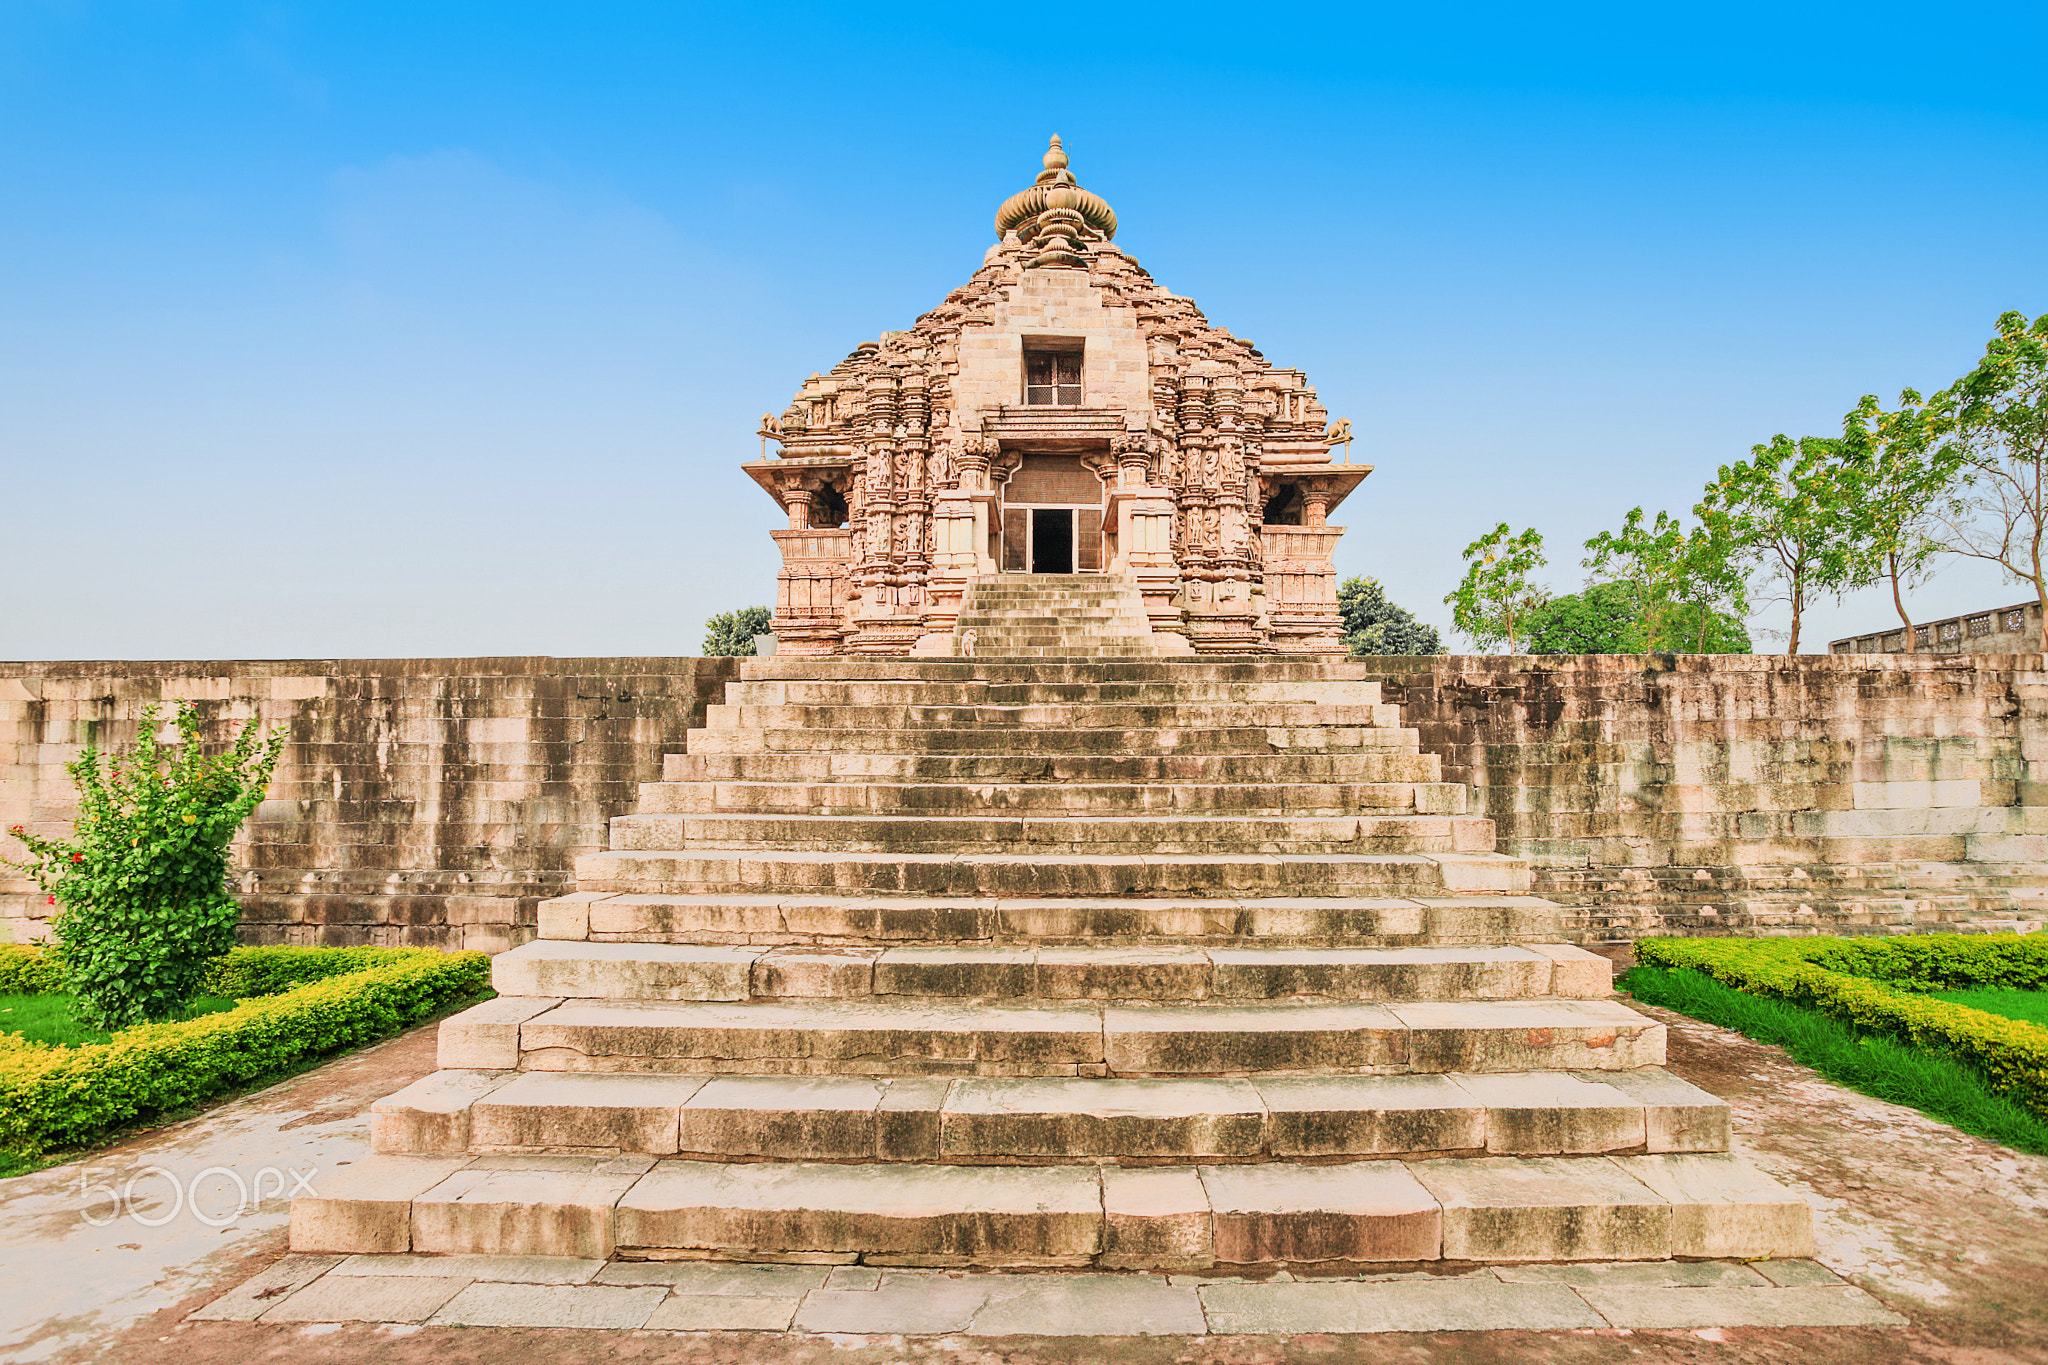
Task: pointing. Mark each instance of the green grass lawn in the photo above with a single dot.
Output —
(2031, 1006)
(1932, 1082)
(47, 1018)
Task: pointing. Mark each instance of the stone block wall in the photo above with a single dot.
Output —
(1753, 794)
(418, 801)
(438, 801)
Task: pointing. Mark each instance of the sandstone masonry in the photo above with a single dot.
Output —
(438, 801)
(1060, 412)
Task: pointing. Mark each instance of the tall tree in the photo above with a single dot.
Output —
(1497, 590)
(1605, 618)
(1996, 417)
(1684, 580)
(1898, 478)
(1785, 508)
(1375, 624)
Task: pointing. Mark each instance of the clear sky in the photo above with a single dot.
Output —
(372, 329)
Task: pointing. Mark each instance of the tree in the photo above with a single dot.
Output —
(731, 633)
(1682, 580)
(141, 885)
(1373, 624)
(1497, 590)
(1899, 478)
(1785, 509)
(1996, 417)
(1605, 618)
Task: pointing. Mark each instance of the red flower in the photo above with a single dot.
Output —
(78, 857)
(15, 829)
(53, 900)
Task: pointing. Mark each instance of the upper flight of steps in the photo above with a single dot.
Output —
(1128, 963)
(1036, 616)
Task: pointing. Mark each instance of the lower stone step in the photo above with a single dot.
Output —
(1027, 1121)
(890, 1037)
(1048, 798)
(1123, 769)
(1052, 874)
(1162, 972)
(1164, 832)
(1046, 742)
(1189, 1216)
(829, 918)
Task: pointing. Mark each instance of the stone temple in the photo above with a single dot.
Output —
(1054, 953)
(1060, 413)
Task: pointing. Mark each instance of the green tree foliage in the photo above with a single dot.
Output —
(1605, 618)
(1786, 513)
(1497, 590)
(1686, 582)
(731, 633)
(142, 884)
(1373, 624)
(1996, 421)
(1898, 477)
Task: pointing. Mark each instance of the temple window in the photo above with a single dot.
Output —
(1052, 376)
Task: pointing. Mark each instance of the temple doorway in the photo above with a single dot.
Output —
(1052, 517)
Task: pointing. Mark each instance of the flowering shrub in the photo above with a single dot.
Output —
(142, 883)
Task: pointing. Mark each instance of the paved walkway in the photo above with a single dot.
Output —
(478, 1291)
(1926, 1224)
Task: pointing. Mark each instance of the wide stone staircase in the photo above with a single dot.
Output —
(1059, 960)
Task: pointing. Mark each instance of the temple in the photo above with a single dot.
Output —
(1060, 413)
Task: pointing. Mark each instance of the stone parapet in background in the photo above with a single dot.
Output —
(1753, 794)
(431, 802)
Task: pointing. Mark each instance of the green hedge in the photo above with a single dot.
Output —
(2012, 1054)
(52, 1098)
(26, 969)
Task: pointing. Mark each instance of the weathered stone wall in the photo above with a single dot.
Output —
(1753, 794)
(437, 801)
(418, 801)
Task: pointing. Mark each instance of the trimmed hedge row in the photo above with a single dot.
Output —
(59, 1097)
(26, 969)
(32, 969)
(2012, 1053)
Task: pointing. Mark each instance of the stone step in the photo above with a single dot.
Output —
(1172, 672)
(1051, 769)
(748, 917)
(884, 1036)
(1056, 717)
(1192, 798)
(1649, 1207)
(1159, 972)
(1048, 874)
(1169, 833)
(980, 693)
(1041, 741)
(1049, 1121)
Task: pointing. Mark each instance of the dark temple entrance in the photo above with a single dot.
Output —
(1052, 540)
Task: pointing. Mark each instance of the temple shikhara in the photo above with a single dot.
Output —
(1059, 413)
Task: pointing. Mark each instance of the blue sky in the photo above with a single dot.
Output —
(367, 329)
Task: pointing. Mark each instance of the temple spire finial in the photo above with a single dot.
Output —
(1056, 207)
(1055, 163)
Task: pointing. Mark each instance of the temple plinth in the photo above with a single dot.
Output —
(1060, 413)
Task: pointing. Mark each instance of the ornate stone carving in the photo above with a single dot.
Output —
(903, 432)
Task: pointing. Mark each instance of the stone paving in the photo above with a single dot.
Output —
(708, 1296)
(1943, 1228)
